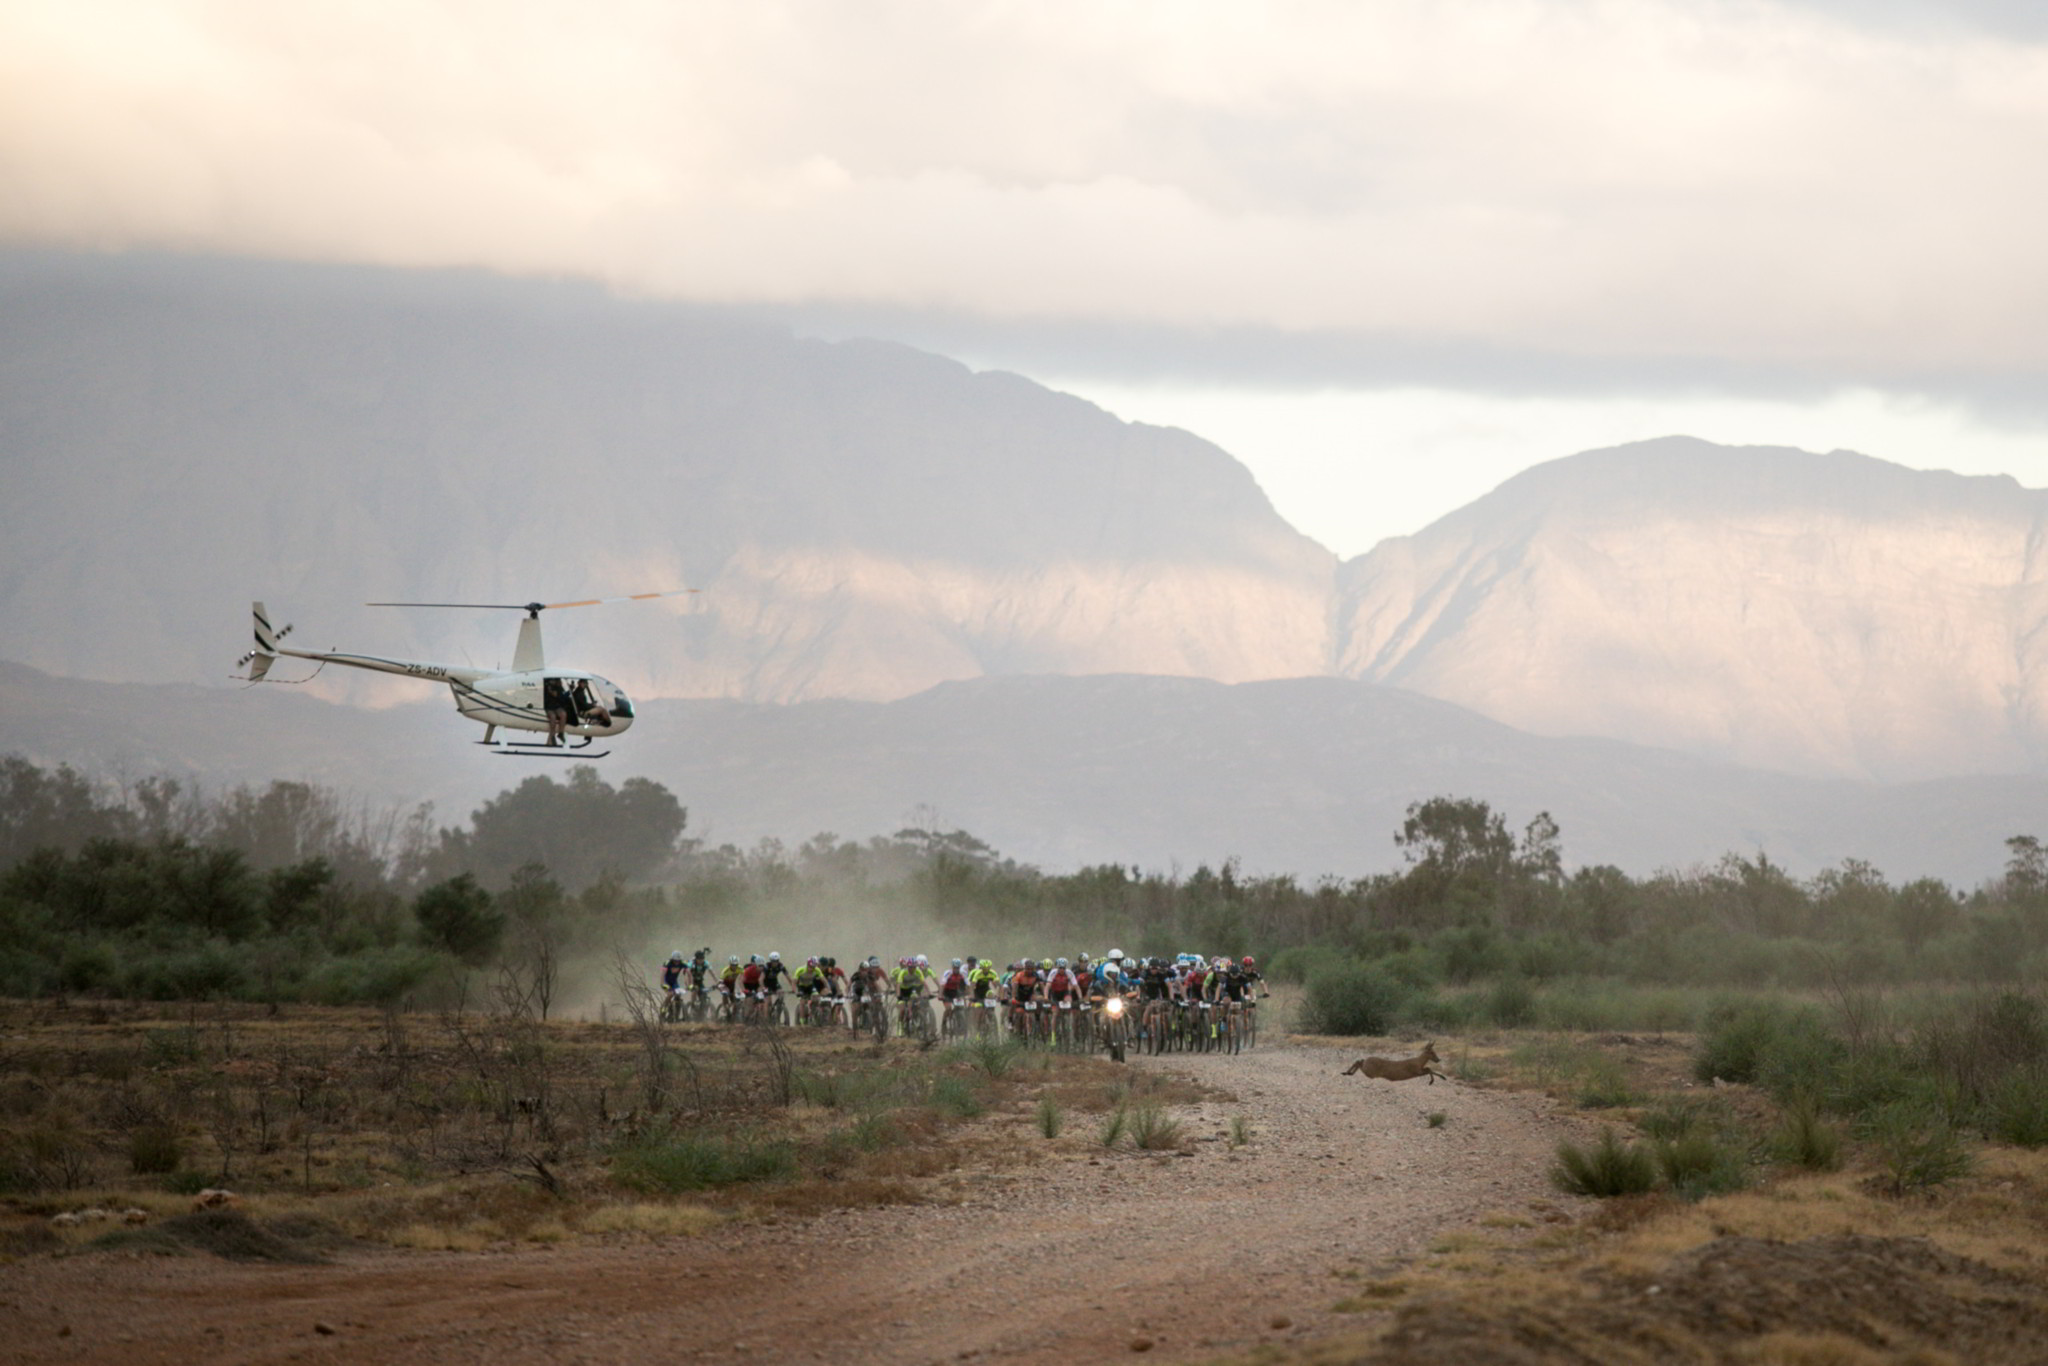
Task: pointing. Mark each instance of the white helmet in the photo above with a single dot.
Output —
(676, 957)
(956, 962)
(1116, 955)
(775, 958)
(923, 961)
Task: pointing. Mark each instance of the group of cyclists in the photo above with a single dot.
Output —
(1153, 1004)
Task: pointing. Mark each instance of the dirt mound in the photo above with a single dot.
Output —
(1890, 1295)
(232, 1234)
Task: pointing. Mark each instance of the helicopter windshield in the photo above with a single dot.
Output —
(622, 705)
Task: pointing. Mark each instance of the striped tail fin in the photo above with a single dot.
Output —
(259, 659)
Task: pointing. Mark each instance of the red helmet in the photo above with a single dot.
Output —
(1248, 961)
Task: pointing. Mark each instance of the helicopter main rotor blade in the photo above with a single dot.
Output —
(539, 606)
(630, 597)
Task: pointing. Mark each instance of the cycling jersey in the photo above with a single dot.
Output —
(953, 984)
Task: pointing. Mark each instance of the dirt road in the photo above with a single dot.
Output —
(1076, 1259)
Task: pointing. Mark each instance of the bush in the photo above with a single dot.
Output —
(155, 1150)
(1701, 1163)
(372, 977)
(1510, 1004)
(956, 1096)
(1804, 1139)
(2017, 1110)
(1607, 1169)
(1352, 998)
(1604, 1084)
(1738, 1039)
(1916, 1148)
(687, 1162)
(1153, 1130)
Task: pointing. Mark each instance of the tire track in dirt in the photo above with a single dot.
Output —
(1073, 1259)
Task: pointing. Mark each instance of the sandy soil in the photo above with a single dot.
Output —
(1082, 1258)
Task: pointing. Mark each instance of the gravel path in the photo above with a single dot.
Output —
(1080, 1258)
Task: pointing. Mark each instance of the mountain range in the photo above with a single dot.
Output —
(967, 582)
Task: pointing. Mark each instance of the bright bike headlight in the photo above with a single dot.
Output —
(1115, 1005)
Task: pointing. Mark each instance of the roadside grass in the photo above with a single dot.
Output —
(1893, 1146)
(486, 1129)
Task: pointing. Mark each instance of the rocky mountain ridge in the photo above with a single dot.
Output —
(867, 521)
(1822, 613)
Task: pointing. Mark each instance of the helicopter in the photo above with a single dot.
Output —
(518, 699)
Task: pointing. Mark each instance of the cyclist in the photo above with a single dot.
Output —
(809, 980)
(700, 970)
(982, 978)
(867, 985)
(833, 979)
(1024, 983)
(750, 975)
(772, 973)
(672, 974)
(1062, 985)
(729, 980)
(953, 984)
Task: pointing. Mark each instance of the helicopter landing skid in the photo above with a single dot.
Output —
(540, 749)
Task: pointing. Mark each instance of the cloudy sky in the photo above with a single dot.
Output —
(1386, 251)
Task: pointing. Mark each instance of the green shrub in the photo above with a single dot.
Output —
(956, 1096)
(1509, 1004)
(1739, 1038)
(1802, 1059)
(1050, 1121)
(1604, 1084)
(1351, 998)
(2016, 1112)
(1114, 1126)
(1153, 1129)
(1916, 1148)
(1804, 1139)
(377, 976)
(1676, 1116)
(993, 1056)
(1292, 965)
(687, 1162)
(1607, 1169)
(1440, 1012)
(1701, 1163)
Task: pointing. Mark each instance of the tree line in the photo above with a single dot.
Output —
(289, 892)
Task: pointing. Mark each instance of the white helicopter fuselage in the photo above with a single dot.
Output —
(500, 699)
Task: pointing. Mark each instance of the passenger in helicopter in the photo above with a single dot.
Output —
(555, 700)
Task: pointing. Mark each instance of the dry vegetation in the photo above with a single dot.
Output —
(1778, 1263)
(469, 1129)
